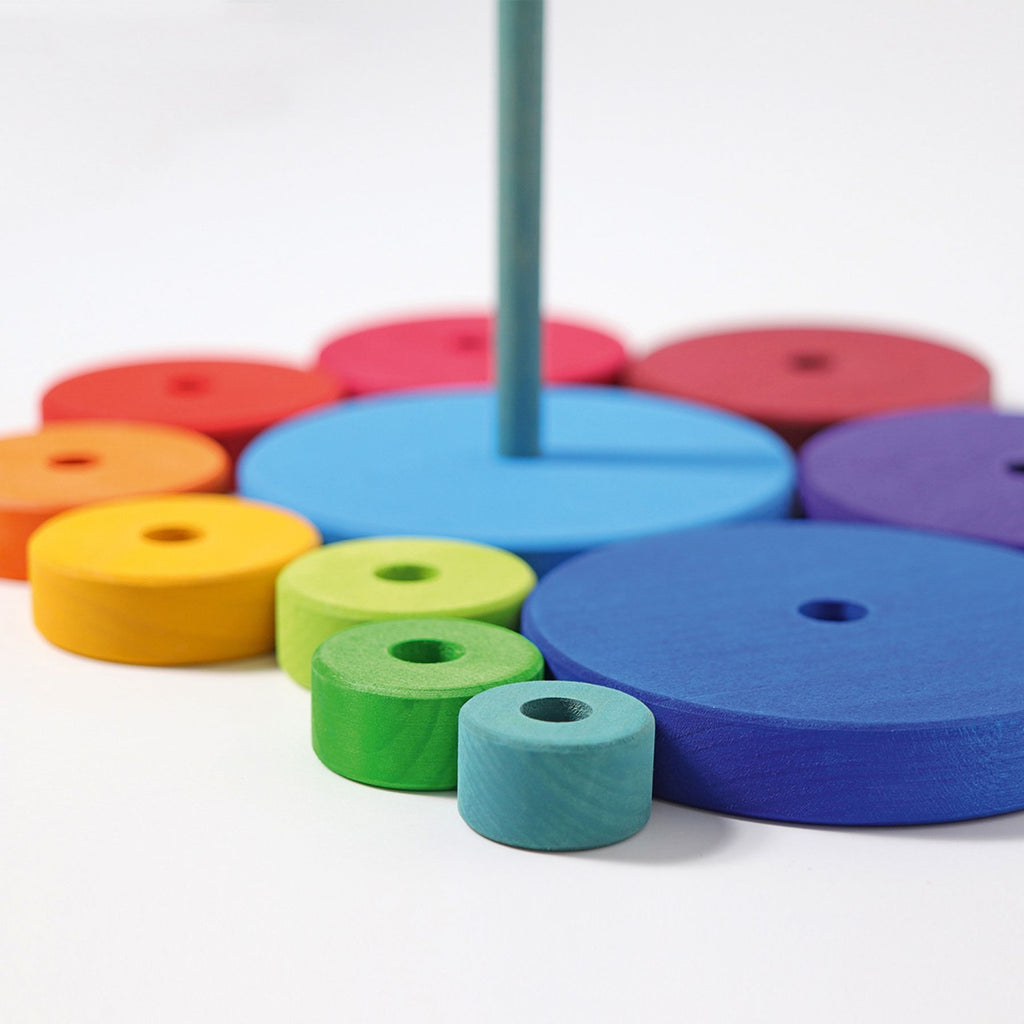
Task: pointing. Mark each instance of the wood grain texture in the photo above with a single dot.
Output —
(341, 585)
(555, 765)
(800, 379)
(386, 695)
(69, 464)
(163, 581)
(804, 671)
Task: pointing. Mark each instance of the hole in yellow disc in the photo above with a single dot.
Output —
(172, 534)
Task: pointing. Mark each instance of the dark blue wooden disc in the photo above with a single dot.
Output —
(615, 465)
(809, 672)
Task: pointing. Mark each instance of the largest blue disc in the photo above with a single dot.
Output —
(615, 465)
(807, 672)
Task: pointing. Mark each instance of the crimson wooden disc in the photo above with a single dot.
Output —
(230, 400)
(400, 355)
(798, 380)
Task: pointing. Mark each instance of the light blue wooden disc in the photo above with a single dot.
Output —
(555, 765)
(616, 465)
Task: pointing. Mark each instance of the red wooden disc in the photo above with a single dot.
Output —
(400, 355)
(798, 380)
(228, 400)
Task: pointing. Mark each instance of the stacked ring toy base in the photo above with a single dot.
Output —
(386, 695)
(615, 465)
(341, 585)
(163, 581)
(811, 672)
(555, 765)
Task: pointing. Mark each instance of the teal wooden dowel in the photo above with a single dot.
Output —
(520, 93)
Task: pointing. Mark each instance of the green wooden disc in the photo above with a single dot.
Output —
(386, 695)
(341, 585)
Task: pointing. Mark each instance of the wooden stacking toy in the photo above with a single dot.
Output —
(400, 355)
(955, 470)
(341, 585)
(799, 379)
(386, 695)
(812, 672)
(837, 673)
(555, 766)
(163, 581)
(231, 400)
(69, 464)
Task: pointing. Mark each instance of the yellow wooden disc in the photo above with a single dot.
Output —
(163, 581)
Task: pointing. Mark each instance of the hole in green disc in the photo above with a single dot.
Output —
(405, 573)
(426, 652)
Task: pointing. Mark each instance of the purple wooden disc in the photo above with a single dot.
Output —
(958, 470)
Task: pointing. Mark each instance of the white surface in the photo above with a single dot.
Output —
(248, 176)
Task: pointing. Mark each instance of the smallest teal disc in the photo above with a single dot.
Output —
(555, 765)
(386, 695)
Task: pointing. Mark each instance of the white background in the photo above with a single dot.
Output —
(247, 177)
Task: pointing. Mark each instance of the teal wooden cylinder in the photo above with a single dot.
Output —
(555, 765)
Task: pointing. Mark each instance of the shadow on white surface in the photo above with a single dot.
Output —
(673, 835)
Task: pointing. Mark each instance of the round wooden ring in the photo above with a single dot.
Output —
(958, 471)
(555, 766)
(386, 695)
(70, 464)
(798, 380)
(815, 672)
(340, 585)
(436, 351)
(230, 400)
(163, 581)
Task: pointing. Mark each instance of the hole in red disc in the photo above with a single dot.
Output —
(809, 362)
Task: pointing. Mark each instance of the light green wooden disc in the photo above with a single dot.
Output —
(354, 581)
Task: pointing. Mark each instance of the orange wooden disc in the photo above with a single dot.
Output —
(65, 465)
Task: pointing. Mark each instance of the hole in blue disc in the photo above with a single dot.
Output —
(833, 611)
(1017, 466)
(426, 652)
(556, 709)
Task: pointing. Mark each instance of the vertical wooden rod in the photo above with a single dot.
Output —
(520, 95)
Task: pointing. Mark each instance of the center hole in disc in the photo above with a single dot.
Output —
(833, 611)
(73, 460)
(426, 652)
(556, 709)
(172, 534)
(1017, 466)
(405, 573)
(469, 343)
(809, 362)
(188, 384)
